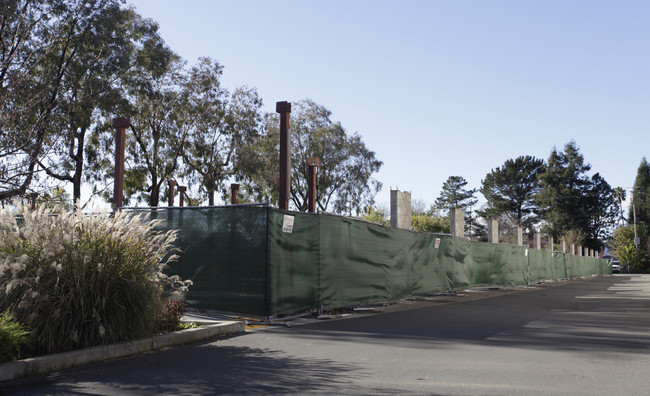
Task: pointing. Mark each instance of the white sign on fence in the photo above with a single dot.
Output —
(287, 224)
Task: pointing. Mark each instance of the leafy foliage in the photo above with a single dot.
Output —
(345, 182)
(376, 215)
(13, 337)
(430, 223)
(80, 280)
(221, 125)
(623, 240)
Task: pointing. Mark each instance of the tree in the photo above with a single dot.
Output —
(377, 215)
(151, 99)
(221, 125)
(37, 49)
(601, 210)
(641, 194)
(625, 250)
(104, 40)
(620, 195)
(345, 182)
(510, 191)
(454, 195)
(563, 188)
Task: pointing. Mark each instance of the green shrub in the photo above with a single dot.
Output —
(80, 280)
(13, 336)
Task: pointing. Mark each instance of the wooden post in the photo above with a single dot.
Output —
(284, 108)
(234, 187)
(181, 193)
(311, 184)
(172, 184)
(120, 125)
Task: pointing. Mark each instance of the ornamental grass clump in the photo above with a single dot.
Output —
(78, 280)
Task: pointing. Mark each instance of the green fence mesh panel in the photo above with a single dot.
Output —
(223, 252)
(293, 262)
(243, 259)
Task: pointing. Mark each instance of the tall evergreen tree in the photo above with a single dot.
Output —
(641, 194)
(602, 211)
(454, 195)
(510, 190)
(563, 188)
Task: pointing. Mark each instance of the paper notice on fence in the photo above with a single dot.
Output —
(437, 244)
(287, 224)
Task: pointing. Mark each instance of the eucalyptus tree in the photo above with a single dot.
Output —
(41, 42)
(104, 42)
(221, 124)
(345, 176)
(151, 99)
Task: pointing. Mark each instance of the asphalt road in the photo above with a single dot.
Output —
(584, 337)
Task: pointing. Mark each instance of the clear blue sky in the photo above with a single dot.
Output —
(441, 88)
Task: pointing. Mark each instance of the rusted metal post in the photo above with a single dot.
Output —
(234, 187)
(33, 196)
(172, 184)
(311, 184)
(284, 108)
(181, 194)
(120, 125)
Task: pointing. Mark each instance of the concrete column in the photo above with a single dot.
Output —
(563, 246)
(493, 230)
(550, 243)
(519, 236)
(538, 241)
(457, 222)
(579, 250)
(573, 249)
(400, 209)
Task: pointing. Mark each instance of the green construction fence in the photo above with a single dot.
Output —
(262, 261)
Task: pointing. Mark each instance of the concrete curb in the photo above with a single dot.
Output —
(61, 361)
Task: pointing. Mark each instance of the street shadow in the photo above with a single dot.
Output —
(204, 368)
(608, 314)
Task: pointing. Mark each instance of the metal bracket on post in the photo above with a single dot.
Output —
(120, 125)
(311, 184)
(234, 187)
(284, 108)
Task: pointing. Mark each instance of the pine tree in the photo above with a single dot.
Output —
(510, 190)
